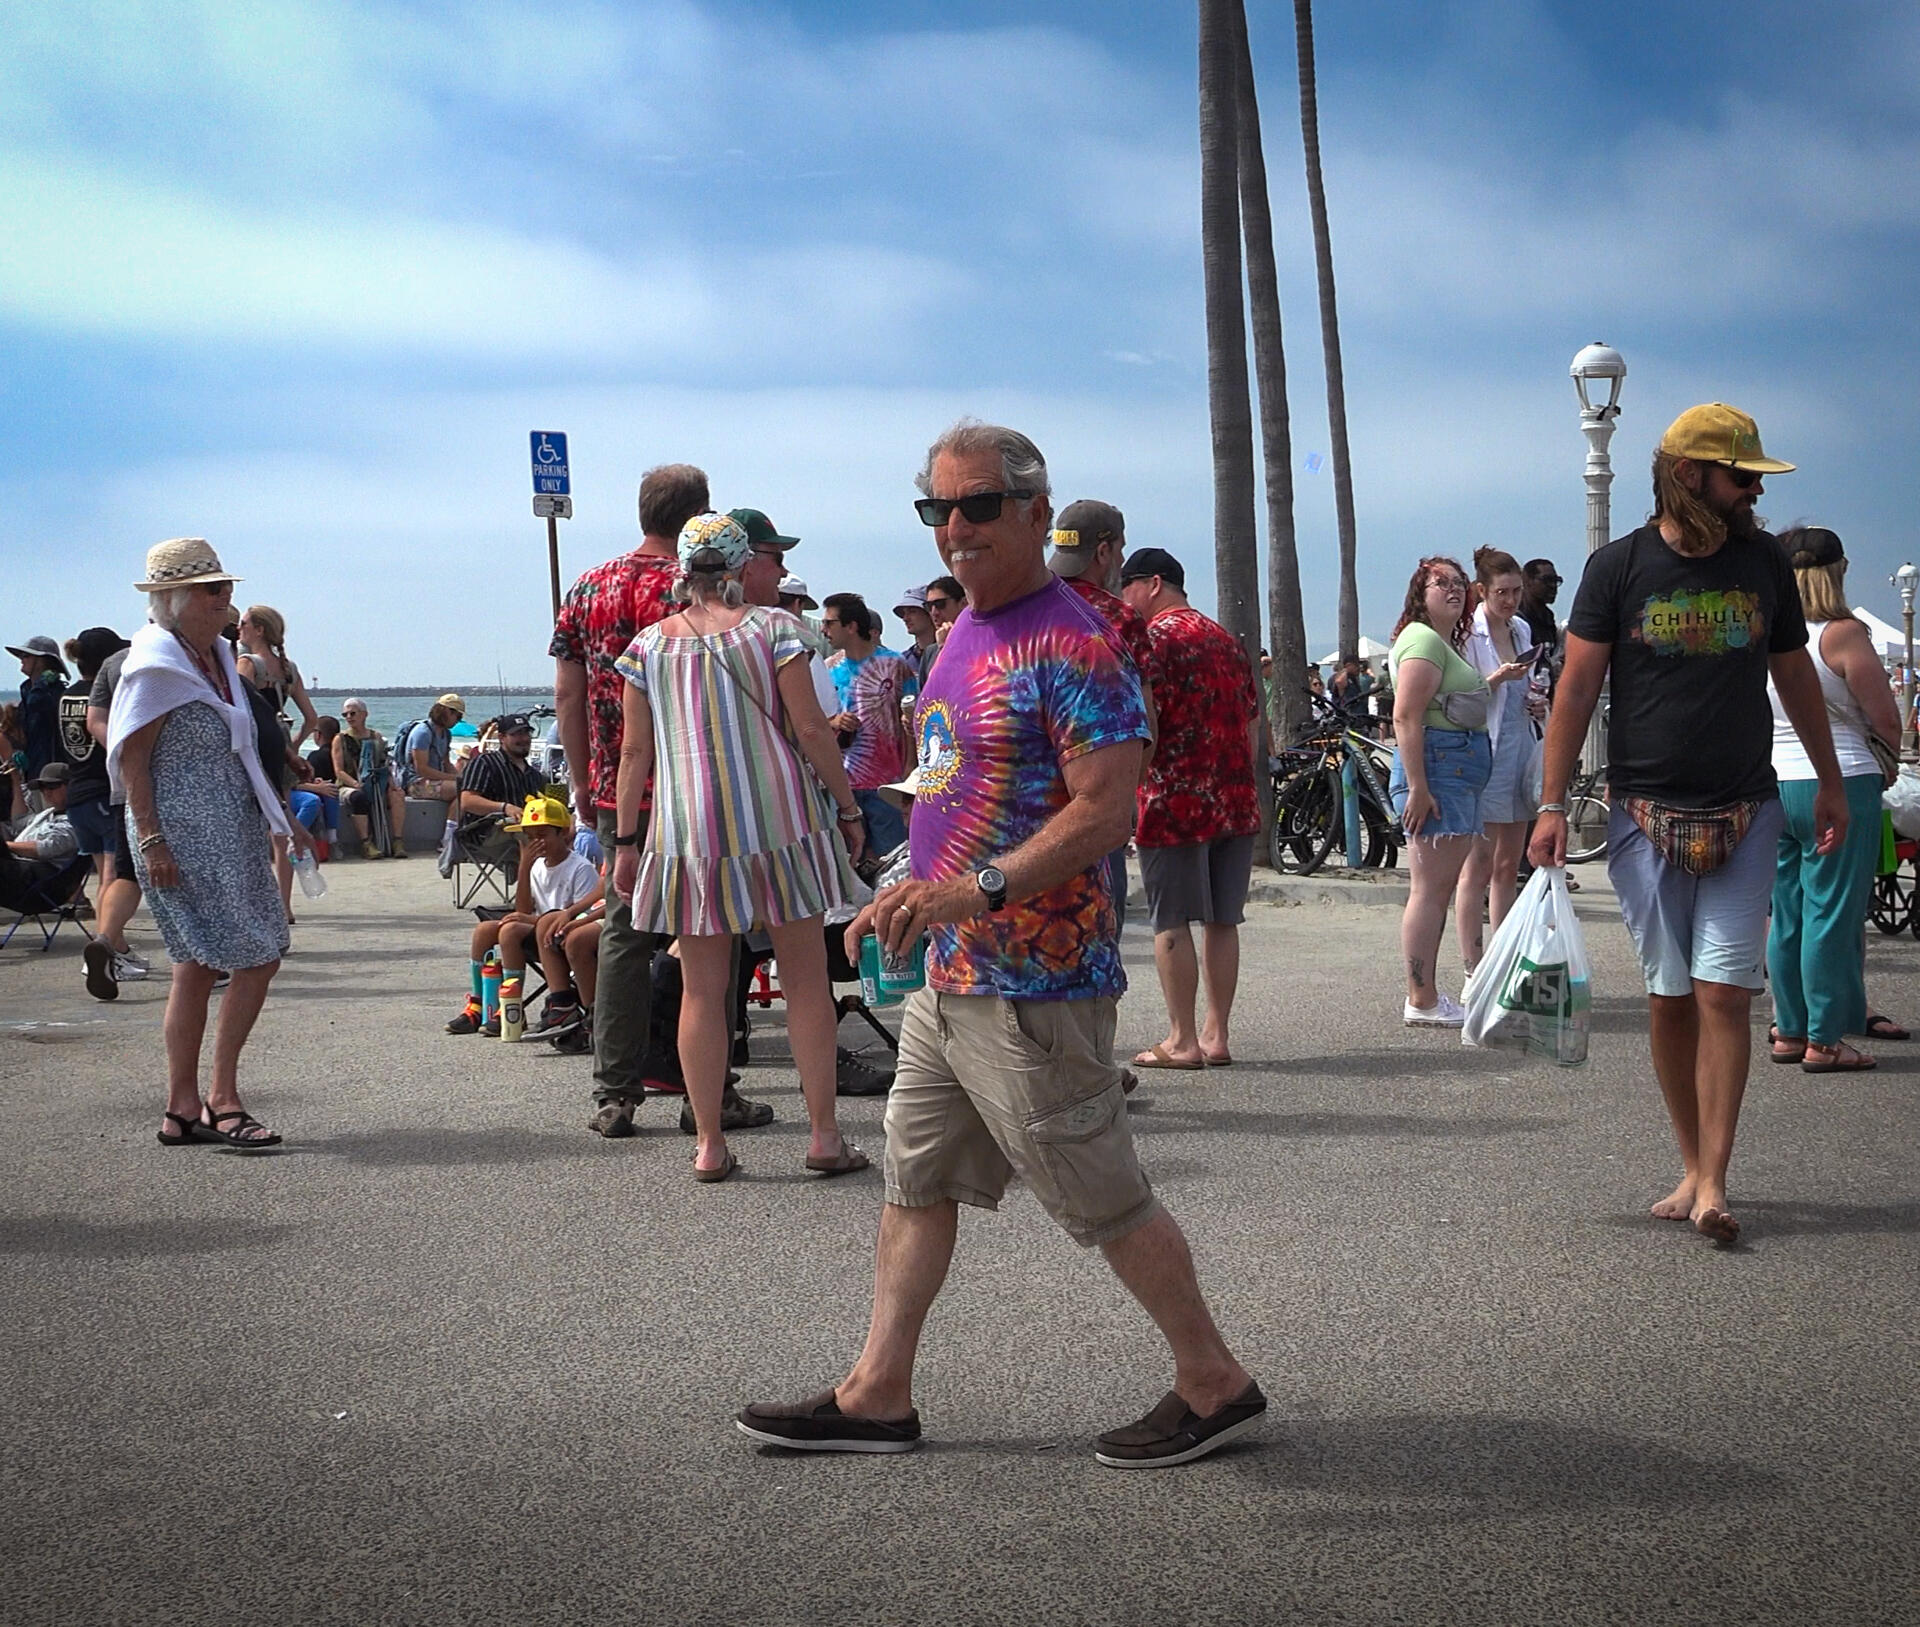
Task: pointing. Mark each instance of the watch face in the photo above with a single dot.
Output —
(991, 881)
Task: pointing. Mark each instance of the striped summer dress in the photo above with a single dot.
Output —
(740, 836)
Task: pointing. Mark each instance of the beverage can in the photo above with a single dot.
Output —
(901, 974)
(872, 991)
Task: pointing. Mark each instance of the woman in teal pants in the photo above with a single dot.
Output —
(1820, 902)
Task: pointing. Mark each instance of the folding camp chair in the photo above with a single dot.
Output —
(484, 872)
(762, 991)
(55, 899)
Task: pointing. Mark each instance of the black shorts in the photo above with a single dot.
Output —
(122, 848)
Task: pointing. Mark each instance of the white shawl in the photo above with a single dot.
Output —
(159, 677)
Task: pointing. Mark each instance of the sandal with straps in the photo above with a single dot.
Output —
(190, 1129)
(242, 1122)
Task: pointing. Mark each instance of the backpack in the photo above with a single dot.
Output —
(401, 757)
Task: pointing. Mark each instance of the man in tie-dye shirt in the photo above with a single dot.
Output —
(1031, 731)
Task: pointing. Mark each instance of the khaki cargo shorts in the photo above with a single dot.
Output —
(987, 1089)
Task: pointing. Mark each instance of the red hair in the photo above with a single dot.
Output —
(1416, 606)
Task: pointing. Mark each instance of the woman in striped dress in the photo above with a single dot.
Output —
(720, 713)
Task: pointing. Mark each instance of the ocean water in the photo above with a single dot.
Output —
(387, 712)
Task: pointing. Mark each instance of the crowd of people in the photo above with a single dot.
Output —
(746, 783)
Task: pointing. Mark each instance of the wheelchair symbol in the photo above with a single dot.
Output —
(546, 451)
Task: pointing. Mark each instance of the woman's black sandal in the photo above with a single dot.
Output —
(190, 1129)
(237, 1136)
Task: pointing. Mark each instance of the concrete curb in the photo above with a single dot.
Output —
(1379, 889)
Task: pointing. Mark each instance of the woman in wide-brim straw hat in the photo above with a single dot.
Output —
(183, 745)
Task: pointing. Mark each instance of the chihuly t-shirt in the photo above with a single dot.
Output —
(1016, 693)
(1199, 786)
(1690, 639)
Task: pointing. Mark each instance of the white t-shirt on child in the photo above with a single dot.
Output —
(559, 886)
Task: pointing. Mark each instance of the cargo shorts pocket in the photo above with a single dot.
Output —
(1079, 1121)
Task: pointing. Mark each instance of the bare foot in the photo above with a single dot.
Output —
(1678, 1204)
(1712, 1219)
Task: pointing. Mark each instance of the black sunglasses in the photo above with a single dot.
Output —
(1745, 479)
(938, 601)
(979, 508)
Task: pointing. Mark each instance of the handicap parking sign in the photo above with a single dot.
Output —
(550, 464)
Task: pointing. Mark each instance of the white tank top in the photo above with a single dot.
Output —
(1790, 760)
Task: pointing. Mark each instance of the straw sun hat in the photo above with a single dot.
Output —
(180, 563)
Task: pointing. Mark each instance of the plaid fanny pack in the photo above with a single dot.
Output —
(1696, 840)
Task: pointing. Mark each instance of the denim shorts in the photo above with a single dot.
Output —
(92, 823)
(1458, 763)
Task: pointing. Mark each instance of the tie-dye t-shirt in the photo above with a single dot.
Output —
(1015, 694)
(1689, 641)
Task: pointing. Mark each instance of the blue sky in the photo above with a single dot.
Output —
(300, 277)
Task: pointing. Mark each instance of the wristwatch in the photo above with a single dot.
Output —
(627, 841)
(991, 882)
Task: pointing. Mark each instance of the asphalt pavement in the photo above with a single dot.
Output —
(449, 1358)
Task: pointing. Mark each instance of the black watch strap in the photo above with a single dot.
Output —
(627, 841)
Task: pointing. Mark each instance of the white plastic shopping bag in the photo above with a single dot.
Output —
(1902, 800)
(1533, 991)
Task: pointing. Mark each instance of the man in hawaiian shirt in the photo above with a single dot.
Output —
(1089, 542)
(1030, 736)
(1199, 811)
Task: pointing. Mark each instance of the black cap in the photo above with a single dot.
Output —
(52, 774)
(1145, 562)
(1812, 545)
(97, 643)
(514, 722)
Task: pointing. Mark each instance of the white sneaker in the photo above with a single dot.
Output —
(137, 961)
(129, 969)
(1447, 1014)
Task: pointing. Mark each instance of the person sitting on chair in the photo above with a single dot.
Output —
(36, 849)
(426, 755)
(494, 786)
(550, 890)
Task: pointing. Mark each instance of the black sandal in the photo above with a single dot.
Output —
(237, 1136)
(190, 1129)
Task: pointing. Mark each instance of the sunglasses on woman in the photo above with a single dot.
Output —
(979, 508)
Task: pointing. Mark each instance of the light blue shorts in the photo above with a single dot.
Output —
(1458, 762)
(1688, 929)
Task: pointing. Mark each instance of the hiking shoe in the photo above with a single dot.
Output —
(396, 851)
(129, 967)
(490, 1029)
(818, 1425)
(369, 851)
(613, 1120)
(557, 1019)
(99, 958)
(1174, 1433)
(1449, 1013)
(854, 1075)
(737, 1112)
(468, 1022)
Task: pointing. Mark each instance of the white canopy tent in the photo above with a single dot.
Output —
(1889, 640)
(1371, 649)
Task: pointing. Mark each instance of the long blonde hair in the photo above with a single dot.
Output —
(1820, 567)
(1701, 530)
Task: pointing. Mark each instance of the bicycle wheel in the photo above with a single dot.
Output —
(1306, 820)
(1586, 829)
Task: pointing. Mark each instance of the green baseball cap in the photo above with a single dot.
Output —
(761, 532)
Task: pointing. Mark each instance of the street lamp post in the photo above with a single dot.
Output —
(1906, 579)
(1595, 363)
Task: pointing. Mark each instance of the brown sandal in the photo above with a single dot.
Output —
(719, 1172)
(845, 1162)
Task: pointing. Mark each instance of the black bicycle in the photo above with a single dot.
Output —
(1587, 815)
(1309, 799)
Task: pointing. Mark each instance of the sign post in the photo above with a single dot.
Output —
(552, 496)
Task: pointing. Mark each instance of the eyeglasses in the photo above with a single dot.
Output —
(977, 508)
(939, 601)
(1743, 479)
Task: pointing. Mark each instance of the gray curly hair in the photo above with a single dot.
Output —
(1022, 468)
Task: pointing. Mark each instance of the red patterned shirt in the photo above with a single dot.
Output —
(1199, 786)
(1124, 620)
(603, 612)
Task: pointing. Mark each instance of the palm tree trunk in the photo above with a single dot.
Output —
(1285, 614)
(1329, 332)
(1235, 543)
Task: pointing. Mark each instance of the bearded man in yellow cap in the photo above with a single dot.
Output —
(1689, 616)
